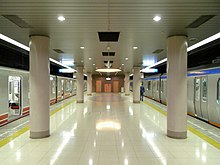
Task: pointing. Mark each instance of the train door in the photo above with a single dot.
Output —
(201, 104)
(204, 100)
(197, 97)
(14, 96)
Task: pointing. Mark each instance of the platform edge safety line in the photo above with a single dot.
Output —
(26, 128)
(190, 128)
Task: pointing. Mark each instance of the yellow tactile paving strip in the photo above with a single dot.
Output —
(191, 129)
(26, 128)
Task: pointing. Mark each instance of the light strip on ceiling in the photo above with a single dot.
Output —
(18, 44)
(199, 44)
(108, 70)
(13, 42)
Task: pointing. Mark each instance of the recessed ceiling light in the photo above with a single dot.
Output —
(122, 64)
(90, 58)
(157, 18)
(93, 64)
(82, 47)
(135, 47)
(61, 18)
(126, 59)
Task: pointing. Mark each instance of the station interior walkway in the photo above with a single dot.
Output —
(108, 129)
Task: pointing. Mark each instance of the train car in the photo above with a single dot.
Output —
(203, 93)
(15, 95)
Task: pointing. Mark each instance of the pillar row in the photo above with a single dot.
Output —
(136, 85)
(89, 84)
(39, 87)
(177, 87)
(80, 85)
(126, 84)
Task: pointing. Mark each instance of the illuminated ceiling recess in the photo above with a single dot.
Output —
(108, 70)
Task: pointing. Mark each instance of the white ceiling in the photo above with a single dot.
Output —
(132, 18)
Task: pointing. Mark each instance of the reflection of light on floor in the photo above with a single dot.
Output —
(18, 155)
(90, 161)
(102, 125)
(125, 161)
(131, 111)
(149, 137)
(108, 107)
(85, 111)
(66, 138)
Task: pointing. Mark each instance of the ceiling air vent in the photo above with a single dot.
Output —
(199, 21)
(17, 20)
(108, 36)
(108, 53)
(58, 51)
(157, 51)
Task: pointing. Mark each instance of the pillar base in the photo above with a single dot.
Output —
(127, 94)
(89, 94)
(80, 101)
(39, 135)
(177, 135)
(136, 101)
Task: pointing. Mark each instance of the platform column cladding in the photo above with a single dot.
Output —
(177, 87)
(126, 84)
(136, 85)
(89, 84)
(80, 85)
(39, 87)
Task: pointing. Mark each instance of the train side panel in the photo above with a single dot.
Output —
(214, 99)
(4, 103)
(25, 94)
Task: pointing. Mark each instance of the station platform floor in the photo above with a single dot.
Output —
(108, 129)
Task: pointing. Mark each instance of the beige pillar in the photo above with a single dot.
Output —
(177, 87)
(136, 85)
(89, 84)
(126, 84)
(80, 85)
(39, 87)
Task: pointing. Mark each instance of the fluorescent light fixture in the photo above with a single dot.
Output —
(68, 62)
(51, 78)
(203, 42)
(82, 47)
(13, 42)
(131, 74)
(157, 18)
(67, 70)
(126, 59)
(122, 64)
(149, 62)
(61, 18)
(149, 70)
(108, 70)
(199, 44)
(56, 62)
(135, 47)
(85, 74)
(93, 64)
(107, 78)
(90, 58)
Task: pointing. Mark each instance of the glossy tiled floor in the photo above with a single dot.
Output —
(108, 129)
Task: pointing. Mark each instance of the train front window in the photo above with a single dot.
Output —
(218, 91)
(149, 85)
(204, 89)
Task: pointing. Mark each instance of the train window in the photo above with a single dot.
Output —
(53, 87)
(149, 85)
(204, 89)
(197, 88)
(218, 91)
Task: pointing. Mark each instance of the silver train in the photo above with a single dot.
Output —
(14, 92)
(203, 90)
